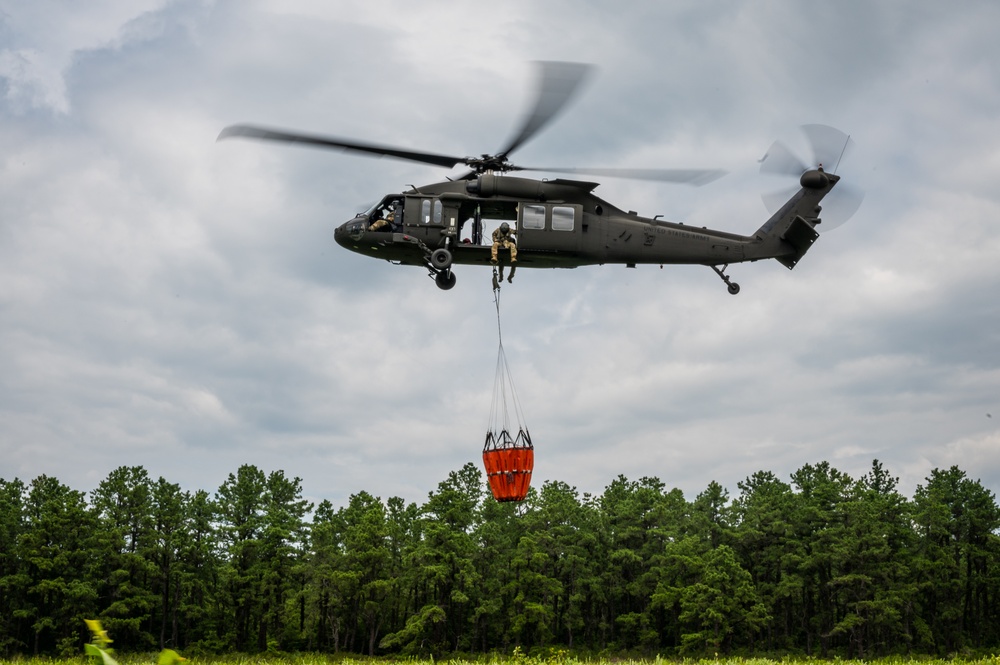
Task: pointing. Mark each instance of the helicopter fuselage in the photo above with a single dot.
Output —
(561, 224)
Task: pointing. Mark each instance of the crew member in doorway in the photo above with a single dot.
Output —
(502, 237)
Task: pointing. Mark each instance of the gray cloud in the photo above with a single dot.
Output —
(170, 301)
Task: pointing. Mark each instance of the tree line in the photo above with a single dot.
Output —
(822, 565)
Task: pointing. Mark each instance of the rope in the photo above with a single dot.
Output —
(503, 378)
(496, 301)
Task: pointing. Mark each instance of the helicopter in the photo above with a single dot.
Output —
(561, 223)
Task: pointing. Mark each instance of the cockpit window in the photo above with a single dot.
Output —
(386, 216)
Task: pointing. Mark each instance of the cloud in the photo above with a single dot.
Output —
(174, 302)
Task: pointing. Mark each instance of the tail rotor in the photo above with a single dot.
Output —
(829, 147)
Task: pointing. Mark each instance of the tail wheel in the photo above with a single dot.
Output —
(733, 287)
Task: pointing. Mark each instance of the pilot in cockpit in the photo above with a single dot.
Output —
(386, 223)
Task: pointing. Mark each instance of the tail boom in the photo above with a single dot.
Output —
(791, 231)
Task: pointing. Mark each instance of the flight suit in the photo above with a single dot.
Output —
(379, 224)
(505, 240)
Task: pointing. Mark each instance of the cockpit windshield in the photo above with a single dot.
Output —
(367, 212)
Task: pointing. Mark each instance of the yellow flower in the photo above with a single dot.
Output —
(170, 657)
(100, 635)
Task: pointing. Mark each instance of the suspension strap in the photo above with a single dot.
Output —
(496, 301)
(503, 383)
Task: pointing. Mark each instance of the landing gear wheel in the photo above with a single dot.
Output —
(445, 279)
(734, 288)
(441, 259)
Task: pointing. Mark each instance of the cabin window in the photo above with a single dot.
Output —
(563, 218)
(533, 217)
(430, 211)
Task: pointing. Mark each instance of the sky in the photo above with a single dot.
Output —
(177, 303)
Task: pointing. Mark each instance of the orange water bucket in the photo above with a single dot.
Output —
(509, 462)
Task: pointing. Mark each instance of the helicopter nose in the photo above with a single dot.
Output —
(349, 232)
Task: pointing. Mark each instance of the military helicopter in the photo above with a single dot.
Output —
(561, 223)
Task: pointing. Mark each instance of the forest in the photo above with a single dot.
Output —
(820, 564)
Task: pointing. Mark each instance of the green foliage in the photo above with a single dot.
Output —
(98, 647)
(412, 640)
(517, 656)
(819, 565)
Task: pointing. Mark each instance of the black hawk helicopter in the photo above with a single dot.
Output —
(560, 223)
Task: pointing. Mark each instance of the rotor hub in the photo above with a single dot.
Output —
(490, 164)
(815, 179)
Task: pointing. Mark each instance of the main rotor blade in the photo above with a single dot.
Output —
(695, 177)
(250, 131)
(557, 82)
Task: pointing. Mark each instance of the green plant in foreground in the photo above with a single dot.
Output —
(98, 647)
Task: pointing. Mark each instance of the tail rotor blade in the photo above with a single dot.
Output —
(774, 200)
(840, 205)
(779, 160)
(829, 146)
